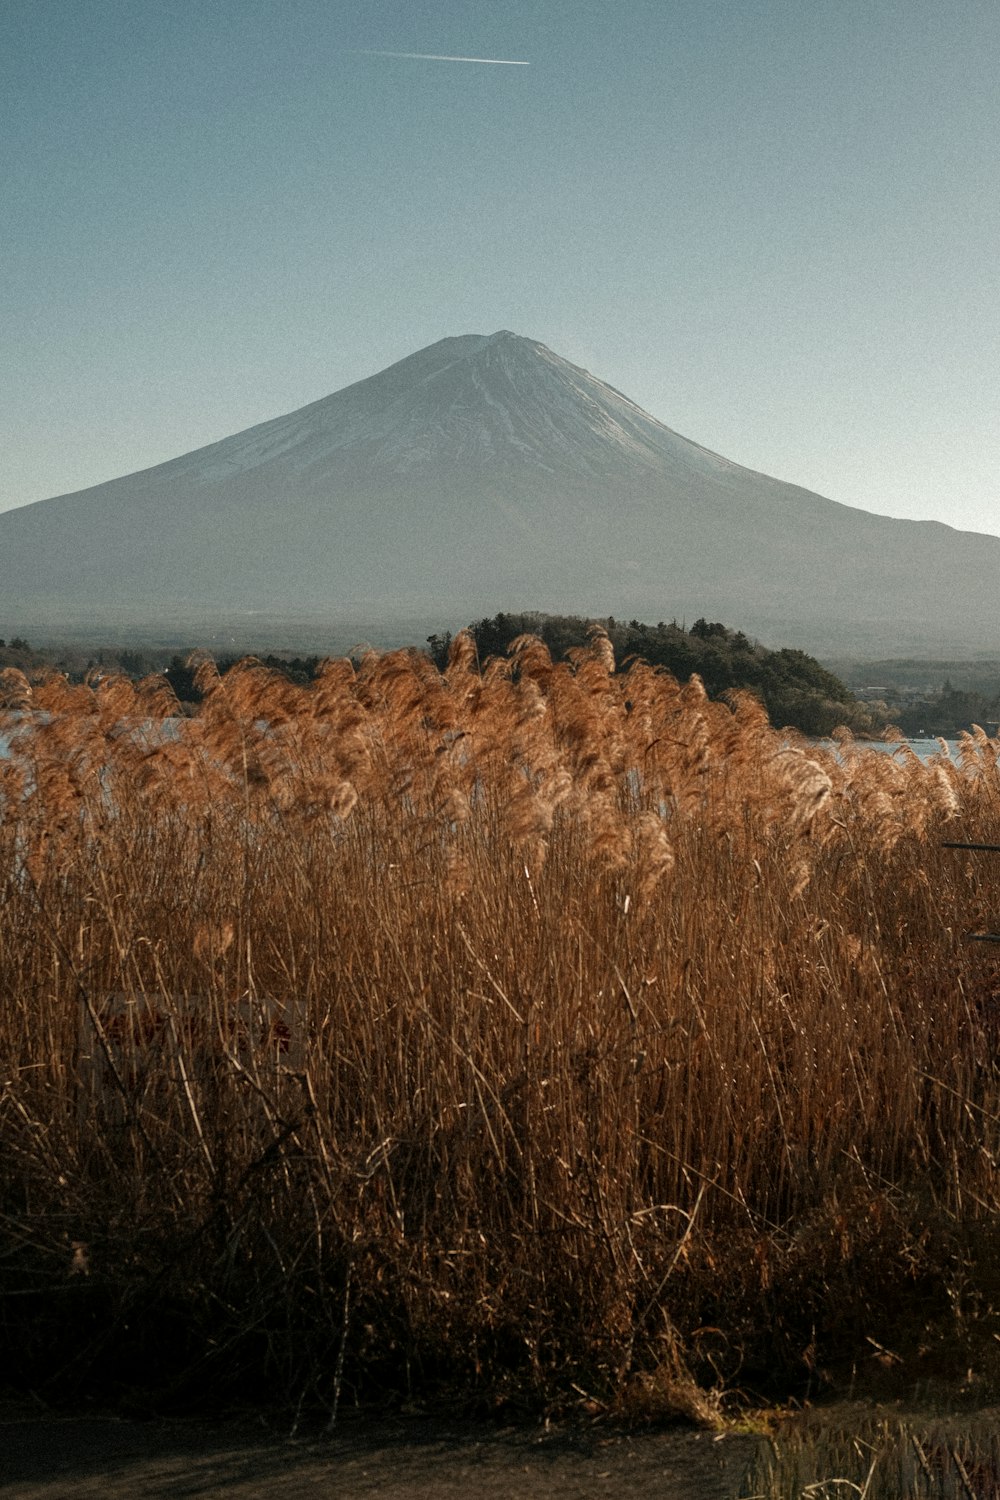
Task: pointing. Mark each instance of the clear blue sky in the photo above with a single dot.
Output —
(773, 223)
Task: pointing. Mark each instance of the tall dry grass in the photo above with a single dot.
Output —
(535, 1032)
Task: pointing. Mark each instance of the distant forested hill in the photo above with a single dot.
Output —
(796, 691)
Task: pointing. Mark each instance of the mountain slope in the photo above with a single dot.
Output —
(485, 473)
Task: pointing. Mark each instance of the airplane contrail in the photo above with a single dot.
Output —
(494, 62)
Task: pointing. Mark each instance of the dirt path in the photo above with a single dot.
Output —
(43, 1458)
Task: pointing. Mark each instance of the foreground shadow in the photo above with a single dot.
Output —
(45, 1458)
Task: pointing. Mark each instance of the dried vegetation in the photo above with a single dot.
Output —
(538, 1033)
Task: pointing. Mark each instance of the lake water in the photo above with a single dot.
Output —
(925, 749)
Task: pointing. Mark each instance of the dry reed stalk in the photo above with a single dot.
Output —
(615, 1015)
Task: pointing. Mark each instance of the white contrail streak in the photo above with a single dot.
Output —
(494, 62)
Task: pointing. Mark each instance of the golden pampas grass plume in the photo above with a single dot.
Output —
(15, 690)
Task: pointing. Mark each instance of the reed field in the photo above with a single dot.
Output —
(532, 1035)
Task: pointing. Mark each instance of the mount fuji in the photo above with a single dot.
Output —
(486, 473)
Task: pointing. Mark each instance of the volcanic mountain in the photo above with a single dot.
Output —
(487, 473)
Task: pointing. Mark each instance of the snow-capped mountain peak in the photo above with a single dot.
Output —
(486, 401)
(485, 472)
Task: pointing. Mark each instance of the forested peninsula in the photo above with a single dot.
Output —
(796, 690)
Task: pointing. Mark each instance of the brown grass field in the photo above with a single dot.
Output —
(536, 1036)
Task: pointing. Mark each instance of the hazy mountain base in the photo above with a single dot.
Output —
(854, 643)
(328, 633)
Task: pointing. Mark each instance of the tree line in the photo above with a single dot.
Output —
(795, 689)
